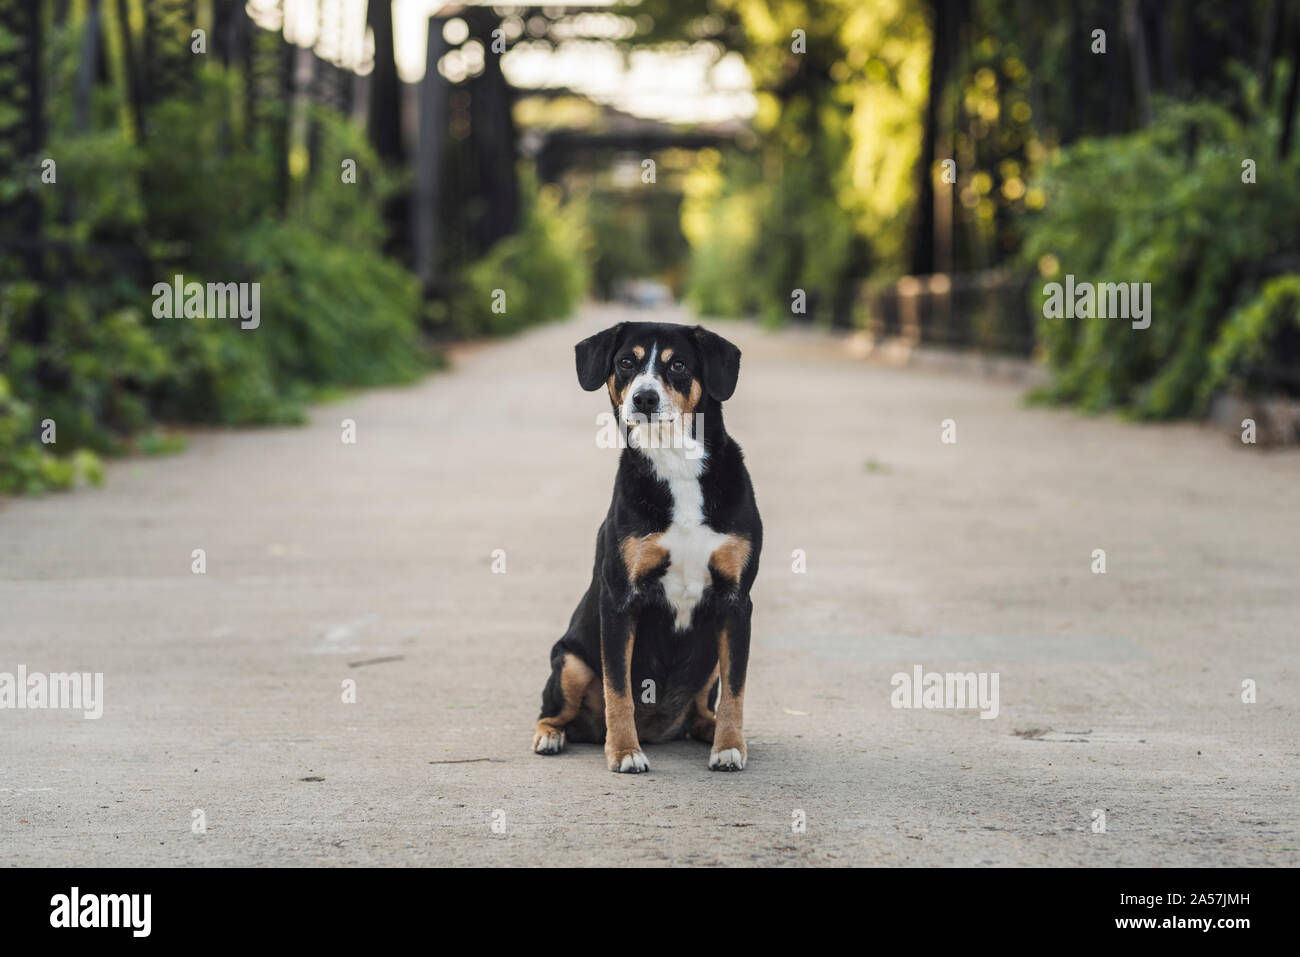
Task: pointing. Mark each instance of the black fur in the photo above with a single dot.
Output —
(679, 663)
(595, 357)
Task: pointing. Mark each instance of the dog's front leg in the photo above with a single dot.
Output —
(728, 752)
(617, 636)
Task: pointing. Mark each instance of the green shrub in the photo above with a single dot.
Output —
(1247, 347)
(26, 466)
(1164, 205)
(334, 312)
(541, 270)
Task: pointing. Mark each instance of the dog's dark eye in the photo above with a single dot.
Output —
(677, 365)
(626, 362)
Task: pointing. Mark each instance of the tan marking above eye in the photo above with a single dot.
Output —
(639, 351)
(667, 354)
(729, 558)
(642, 555)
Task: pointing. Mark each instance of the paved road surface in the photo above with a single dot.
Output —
(1118, 692)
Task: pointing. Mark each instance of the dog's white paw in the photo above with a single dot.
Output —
(628, 762)
(548, 741)
(728, 759)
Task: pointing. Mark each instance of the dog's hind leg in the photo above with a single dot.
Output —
(561, 701)
(702, 721)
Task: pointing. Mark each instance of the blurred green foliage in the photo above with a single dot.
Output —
(215, 195)
(535, 275)
(720, 219)
(631, 238)
(195, 200)
(1080, 141)
(824, 197)
(1247, 347)
(1167, 205)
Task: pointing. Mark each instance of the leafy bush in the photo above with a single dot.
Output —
(1251, 340)
(541, 269)
(1164, 205)
(26, 466)
(334, 312)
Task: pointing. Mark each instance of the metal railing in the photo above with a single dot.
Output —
(985, 311)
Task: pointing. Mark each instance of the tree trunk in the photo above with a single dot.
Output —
(1274, 24)
(86, 69)
(1289, 102)
(131, 67)
(1137, 44)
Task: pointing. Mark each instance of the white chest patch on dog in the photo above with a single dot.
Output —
(689, 542)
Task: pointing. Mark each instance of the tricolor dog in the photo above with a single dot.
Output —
(658, 646)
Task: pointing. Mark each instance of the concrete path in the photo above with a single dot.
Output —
(328, 562)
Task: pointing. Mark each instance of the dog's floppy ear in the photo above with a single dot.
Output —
(721, 363)
(595, 356)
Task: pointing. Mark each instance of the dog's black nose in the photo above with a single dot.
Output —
(647, 400)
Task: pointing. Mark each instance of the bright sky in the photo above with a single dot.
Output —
(684, 86)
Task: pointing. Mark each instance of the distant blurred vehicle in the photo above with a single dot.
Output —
(643, 293)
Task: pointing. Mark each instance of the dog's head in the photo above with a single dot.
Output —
(658, 372)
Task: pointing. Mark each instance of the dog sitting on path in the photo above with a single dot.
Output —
(661, 637)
